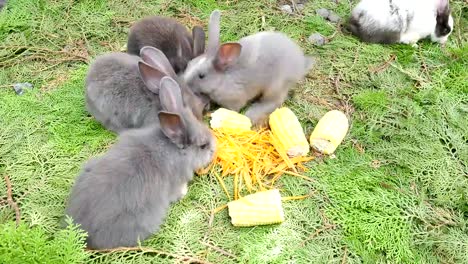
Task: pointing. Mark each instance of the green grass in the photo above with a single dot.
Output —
(397, 191)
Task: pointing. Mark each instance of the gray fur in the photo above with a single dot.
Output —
(366, 31)
(116, 94)
(214, 27)
(168, 35)
(268, 65)
(123, 196)
(121, 90)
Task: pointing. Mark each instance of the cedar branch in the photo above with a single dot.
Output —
(182, 259)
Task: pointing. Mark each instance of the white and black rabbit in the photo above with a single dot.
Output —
(122, 89)
(123, 196)
(168, 35)
(260, 68)
(401, 21)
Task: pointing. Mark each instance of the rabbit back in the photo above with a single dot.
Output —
(274, 56)
(400, 21)
(115, 93)
(124, 195)
(269, 63)
(166, 34)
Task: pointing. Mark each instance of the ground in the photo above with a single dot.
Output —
(396, 192)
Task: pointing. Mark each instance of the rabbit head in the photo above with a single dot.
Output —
(154, 66)
(180, 61)
(169, 36)
(182, 128)
(444, 22)
(213, 63)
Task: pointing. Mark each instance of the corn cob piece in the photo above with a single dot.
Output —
(329, 132)
(261, 208)
(230, 121)
(286, 128)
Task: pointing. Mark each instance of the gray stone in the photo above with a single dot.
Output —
(317, 39)
(333, 17)
(19, 87)
(286, 9)
(299, 7)
(323, 12)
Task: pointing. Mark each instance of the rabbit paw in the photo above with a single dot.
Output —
(258, 121)
(410, 38)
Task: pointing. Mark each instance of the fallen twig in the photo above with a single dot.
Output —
(10, 200)
(408, 74)
(184, 259)
(345, 256)
(317, 232)
(219, 250)
(343, 99)
(384, 65)
(46, 50)
(210, 224)
(38, 53)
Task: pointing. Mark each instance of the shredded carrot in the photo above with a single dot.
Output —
(222, 207)
(256, 159)
(294, 198)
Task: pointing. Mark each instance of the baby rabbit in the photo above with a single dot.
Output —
(123, 196)
(401, 21)
(262, 66)
(170, 37)
(121, 89)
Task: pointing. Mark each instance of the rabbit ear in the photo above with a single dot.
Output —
(198, 35)
(443, 6)
(184, 43)
(150, 76)
(213, 32)
(170, 95)
(157, 59)
(227, 55)
(173, 127)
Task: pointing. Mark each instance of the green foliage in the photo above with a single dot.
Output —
(24, 244)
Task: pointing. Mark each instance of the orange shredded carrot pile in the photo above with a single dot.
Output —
(255, 159)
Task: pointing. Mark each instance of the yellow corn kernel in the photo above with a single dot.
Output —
(261, 208)
(286, 128)
(228, 120)
(329, 132)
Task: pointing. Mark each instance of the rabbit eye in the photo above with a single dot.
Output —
(201, 75)
(204, 146)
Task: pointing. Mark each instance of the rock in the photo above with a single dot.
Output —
(19, 87)
(299, 7)
(333, 17)
(323, 12)
(286, 9)
(317, 39)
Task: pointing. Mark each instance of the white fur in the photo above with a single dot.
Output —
(421, 15)
(195, 64)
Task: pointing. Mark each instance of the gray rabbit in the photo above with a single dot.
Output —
(260, 68)
(122, 89)
(123, 196)
(168, 35)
